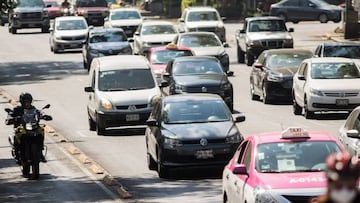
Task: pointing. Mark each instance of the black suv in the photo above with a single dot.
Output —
(29, 14)
(94, 11)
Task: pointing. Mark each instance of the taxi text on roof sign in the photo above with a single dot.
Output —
(294, 132)
(171, 46)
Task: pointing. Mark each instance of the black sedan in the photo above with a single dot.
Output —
(272, 74)
(199, 74)
(196, 130)
(105, 42)
(305, 10)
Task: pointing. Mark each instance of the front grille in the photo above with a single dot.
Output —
(158, 43)
(206, 29)
(272, 43)
(204, 89)
(138, 106)
(30, 16)
(71, 38)
(110, 52)
(297, 199)
(341, 94)
(210, 141)
(94, 14)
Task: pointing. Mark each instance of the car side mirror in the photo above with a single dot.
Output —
(137, 33)
(152, 122)
(242, 31)
(239, 118)
(46, 106)
(48, 6)
(240, 169)
(223, 18)
(163, 84)
(106, 19)
(353, 133)
(230, 73)
(166, 76)
(89, 89)
(301, 77)
(259, 66)
(51, 29)
(181, 20)
(291, 29)
(226, 45)
(131, 39)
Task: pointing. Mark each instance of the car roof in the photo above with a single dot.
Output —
(124, 9)
(197, 33)
(341, 44)
(263, 18)
(181, 48)
(193, 58)
(285, 50)
(120, 62)
(157, 22)
(61, 18)
(274, 137)
(191, 97)
(101, 29)
(329, 60)
(201, 8)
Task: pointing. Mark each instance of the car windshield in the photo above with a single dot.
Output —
(194, 111)
(100, 37)
(30, 3)
(71, 25)
(92, 3)
(334, 71)
(342, 51)
(163, 56)
(286, 59)
(197, 67)
(118, 80)
(199, 41)
(202, 16)
(51, 4)
(121, 15)
(267, 26)
(290, 157)
(158, 29)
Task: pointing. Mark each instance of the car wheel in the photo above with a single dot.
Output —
(249, 59)
(44, 29)
(283, 16)
(13, 30)
(308, 114)
(162, 170)
(151, 162)
(92, 124)
(323, 18)
(252, 92)
(265, 97)
(295, 21)
(85, 65)
(240, 55)
(297, 109)
(100, 130)
(51, 49)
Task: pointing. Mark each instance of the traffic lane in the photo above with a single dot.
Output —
(61, 179)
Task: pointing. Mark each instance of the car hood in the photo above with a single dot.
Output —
(109, 45)
(333, 84)
(203, 24)
(200, 80)
(130, 22)
(69, 33)
(85, 9)
(285, 71)
(292, 180)
(158, 68)
(195, 131)
(130, 97)
(268, 35)
(158, 38)
(29, 9)
(208, 51)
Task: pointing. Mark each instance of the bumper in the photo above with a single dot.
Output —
(19, 24)
(63, 44)
(198, 156)
(118, 119)
(279, 90)
(317, 103)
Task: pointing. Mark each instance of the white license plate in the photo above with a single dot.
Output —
(74, 45)
(204, 154)
(132, 117)
(342, 102)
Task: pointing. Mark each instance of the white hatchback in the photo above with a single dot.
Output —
(326, 84)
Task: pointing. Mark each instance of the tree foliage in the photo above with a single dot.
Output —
(6, 5)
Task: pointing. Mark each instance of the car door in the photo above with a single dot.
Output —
(299, 83)
(92, 100)
(291, 9)
(258, 72)
(352, 123)
(153, 132)
(137, 40)
(309, 10)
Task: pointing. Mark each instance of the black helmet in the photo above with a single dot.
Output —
(25, 97)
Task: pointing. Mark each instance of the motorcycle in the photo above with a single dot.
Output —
(31, 140)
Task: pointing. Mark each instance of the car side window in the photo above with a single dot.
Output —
(354, 122)
(291, 3)
(241, 151)
(301, 69)
(305, 70)
(247, 156)
(93, 80)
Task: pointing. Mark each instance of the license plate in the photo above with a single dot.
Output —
(95, 20)
(342, 102)
(74, 45)
(204, 154)
(128, 31)
(132, 117)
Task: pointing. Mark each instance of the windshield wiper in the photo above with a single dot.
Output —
(116, 89)
(137, 88)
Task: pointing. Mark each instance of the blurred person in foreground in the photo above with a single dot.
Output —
(342, 172)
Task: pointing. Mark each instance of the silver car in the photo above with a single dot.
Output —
(121, 91)
(349, 133)
(126, 18)
(68, 32)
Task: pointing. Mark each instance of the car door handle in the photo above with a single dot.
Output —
(235, 183)
(227, 177)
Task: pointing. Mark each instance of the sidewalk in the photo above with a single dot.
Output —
(338, 36)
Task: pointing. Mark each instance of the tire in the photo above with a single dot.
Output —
(51, 49)
(25, 168)
(151, 162)
(323, 18)
(92, 124)
(85, 65)
(308, 114)
(13, 30)
(45, 30)
(35, 151)
(253, 96)
(265, 97)
(240, 55)
(297, 109)
(283, 16)
(249, 59)
(35, 170)
(162, 170)
(100, 130)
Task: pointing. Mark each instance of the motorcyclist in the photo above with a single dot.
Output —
(65, 6)
(26, 103)
(343, 171)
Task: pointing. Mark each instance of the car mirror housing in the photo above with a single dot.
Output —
(258, 65)
(163, 84)
(88, 89)
(152, 123)
(230, 73)
(353, 133)
(223, 18)
(131, 39)
(239, 118)
(106, 19)
(226, 45)
(181, 20)
(301, 77)
(242, 31)
(166, 76)
(291, 29)
(137, 33)
(240, 169)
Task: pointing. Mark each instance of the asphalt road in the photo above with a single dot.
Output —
(26, 64)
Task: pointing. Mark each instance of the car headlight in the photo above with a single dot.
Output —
(254, 43)
(16, 14)
(274, 77)
(58, 37)
(126, 50)
(262, 196)
(288, 41)
(45, 14)
(234, 136)
(226, 86)
(106, 104)
(180, 88)
(94, 52)
(316, 92)
(146, 44)
(171, 143)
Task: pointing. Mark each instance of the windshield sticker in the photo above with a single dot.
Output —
(286, 165)
(308, 180)
(261, 156)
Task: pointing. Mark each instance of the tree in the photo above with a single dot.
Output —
(6, 5)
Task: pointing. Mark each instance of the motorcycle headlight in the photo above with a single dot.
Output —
(106, 104)
(28, 126)
(171, 143)
(316, 92)
(274, 77)
(234, 136)
(180, 88)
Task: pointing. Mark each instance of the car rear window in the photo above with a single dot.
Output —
(121, 15)
(198, 67)
(158, 29)
(195, 112)
(163, 56)
(108, 37)
(334, 71)
(199, 41)
(290, 157)
(287, 59)
(124, 80)
(202, 16)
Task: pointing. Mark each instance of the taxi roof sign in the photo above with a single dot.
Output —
(294, 132)
(171, 46)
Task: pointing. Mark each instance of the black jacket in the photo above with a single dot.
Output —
(17, 113)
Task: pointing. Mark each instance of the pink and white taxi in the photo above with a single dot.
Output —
(280, 167)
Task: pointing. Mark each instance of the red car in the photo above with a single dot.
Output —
(53, 8)
(159, 57)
